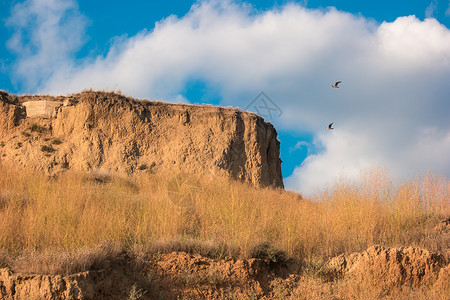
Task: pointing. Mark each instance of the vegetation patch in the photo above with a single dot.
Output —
(12, 99)
(267, 252)
(35, 127)
(59, 223)
(150, 169)
(26, 134)
(60, 262)
(56, 141)
(142, 167)
(4, 259)
(47, 149)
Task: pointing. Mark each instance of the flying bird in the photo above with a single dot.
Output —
(330, 126)
(336, 84)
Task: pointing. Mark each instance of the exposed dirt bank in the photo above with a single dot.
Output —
(377, 272)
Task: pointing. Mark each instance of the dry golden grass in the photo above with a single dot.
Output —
(68, 262)
(75, 211)
(311, 288)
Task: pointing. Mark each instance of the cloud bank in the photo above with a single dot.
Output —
(47, 34)
(390, 110)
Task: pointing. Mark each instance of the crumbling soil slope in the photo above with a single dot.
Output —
(372, 274)
(108, 131)
(176, 275)
(391, 267)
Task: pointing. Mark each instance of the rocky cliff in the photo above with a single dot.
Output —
(111, 132)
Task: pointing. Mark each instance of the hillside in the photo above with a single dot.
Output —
(74, 237)
(112, 133)
(107, 197)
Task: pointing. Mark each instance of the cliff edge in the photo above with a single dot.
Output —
(112, 132)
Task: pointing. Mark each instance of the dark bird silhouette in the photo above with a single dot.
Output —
(336, 84)
(330, 126)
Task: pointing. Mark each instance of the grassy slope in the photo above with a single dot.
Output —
(77, 222)
(74, 211)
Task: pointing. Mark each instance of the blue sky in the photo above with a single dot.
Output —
(392, 56)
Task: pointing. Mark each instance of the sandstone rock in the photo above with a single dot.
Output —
(179, 275)
(10, 112)
(173, 275)
(42, 109)
(389, 267)
(100, 284)
(114, 133)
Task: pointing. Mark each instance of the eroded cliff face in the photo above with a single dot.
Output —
(107, 131)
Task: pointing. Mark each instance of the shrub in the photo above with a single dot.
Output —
(37, 128)
(12, 99)
(150, 169)
(266, 251)
(48, 149)
(56, 141)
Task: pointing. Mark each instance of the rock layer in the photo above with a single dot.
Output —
(111, 132)
(175, 275)
(390, 267)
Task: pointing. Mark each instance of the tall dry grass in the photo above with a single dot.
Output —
(73, 211)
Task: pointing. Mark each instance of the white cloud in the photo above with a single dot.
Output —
(429, 11)
(391, 108)
(348, 153)
(219, 41)
(300, 145)
(179, 99)
(345, 154)
(47, 35)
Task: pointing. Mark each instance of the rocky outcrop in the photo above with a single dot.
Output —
(181, 275)
(99, 284)
(13, 286)
(391, 267)
(175, 275)
(111, 132)
(42, 109)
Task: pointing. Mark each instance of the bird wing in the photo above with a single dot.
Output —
(337, 82)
